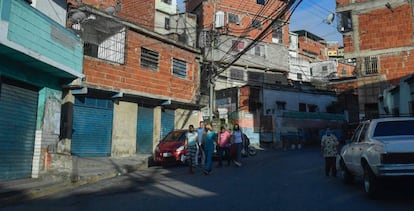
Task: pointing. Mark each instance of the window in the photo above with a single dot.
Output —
(167, 23)
(344, 21)
(237, 46)
(179, 68)
(256, 24)
(311, 72)
(313, 108)
(302, 107)
(344, 71)
(259, 50)
(149, 59)
(232, 18)
(167, 1)
(261, 2)
(277, 32)
(110, 49)
(280, 105)
(299, 76)
(324, 69)
(236, 74)
(371, 65)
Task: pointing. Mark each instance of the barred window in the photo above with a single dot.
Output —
(233, 18)
(149, 59)
(277, 32)
(167, 23)
(236, 74)
(179, 68)
(256, 24)
(111, 49)
(371, 65)
(259, 50)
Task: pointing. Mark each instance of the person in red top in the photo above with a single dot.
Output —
(223, 146)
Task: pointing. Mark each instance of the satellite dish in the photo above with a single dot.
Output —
(110, 10)
(78, 16)
(330, 18)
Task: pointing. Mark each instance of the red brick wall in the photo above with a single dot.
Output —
(382, 29)
(141, 12)
(348, 44)
(397, 66)
(343, 2)
(132, 78)
(247, 11)
(349, 70)
(309, 45)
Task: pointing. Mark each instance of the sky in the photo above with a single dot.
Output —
(311, 16)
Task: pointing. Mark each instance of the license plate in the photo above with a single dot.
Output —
(166, 154)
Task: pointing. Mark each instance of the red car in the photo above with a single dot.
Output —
(171, 148)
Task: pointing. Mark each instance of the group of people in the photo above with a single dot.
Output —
(201, 142)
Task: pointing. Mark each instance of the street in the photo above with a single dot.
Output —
(271, 180)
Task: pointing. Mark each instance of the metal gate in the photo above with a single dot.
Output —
(92, 127)
(18, 114)
(167, 122)
(145, 129)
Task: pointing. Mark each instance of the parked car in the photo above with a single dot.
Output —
(171, 148)
(379, 149)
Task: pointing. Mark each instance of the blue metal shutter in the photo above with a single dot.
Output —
(18, 113)
(167, 122)
(92, 127)
(145, 129)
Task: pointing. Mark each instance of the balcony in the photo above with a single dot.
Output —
(28, 37)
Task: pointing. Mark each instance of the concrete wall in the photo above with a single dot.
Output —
(124, 129)
(184, 118)
(157, 126)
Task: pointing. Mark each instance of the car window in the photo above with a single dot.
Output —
(175, 136)
(394, 128)
(362, 135)
(357, 131)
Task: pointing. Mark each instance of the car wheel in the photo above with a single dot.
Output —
(346, 176)
(370, 182)
(252, 151)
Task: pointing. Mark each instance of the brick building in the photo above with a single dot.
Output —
(378, 37)
(311, 47)
(138, 86)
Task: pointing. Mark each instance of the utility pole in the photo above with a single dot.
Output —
(212, 75)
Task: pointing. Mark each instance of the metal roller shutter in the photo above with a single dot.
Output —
(18, 114)
(92, 127)
(167, 122)
(145, 129)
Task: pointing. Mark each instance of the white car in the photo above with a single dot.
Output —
(378, 149)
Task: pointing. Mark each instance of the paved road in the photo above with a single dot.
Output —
(272, 180)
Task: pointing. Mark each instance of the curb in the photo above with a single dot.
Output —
(65, 183)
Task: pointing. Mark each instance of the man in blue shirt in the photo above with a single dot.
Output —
(200, 152)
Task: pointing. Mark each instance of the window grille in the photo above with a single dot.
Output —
(371, 65)
(256, 24)
(179, 68)
(111, 49)
(258, 50)
(236, 74)
(237, 46)
(277, 32)
(149, 59)
(233, 18)
(299, 76)
(167, 23)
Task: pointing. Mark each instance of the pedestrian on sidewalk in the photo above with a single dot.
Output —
(223, 146)
(237, 137)
(191, 147)
(200, 152)
(209, 140)
(329, 149)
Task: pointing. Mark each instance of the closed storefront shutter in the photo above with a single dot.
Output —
(18, 114)
(92, 127)
(167, 122)
(145, 130)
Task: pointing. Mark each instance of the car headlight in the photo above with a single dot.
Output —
(181, 148)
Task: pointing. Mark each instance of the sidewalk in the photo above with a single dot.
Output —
(82, 171)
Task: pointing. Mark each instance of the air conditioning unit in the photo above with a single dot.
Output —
(219, 22)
